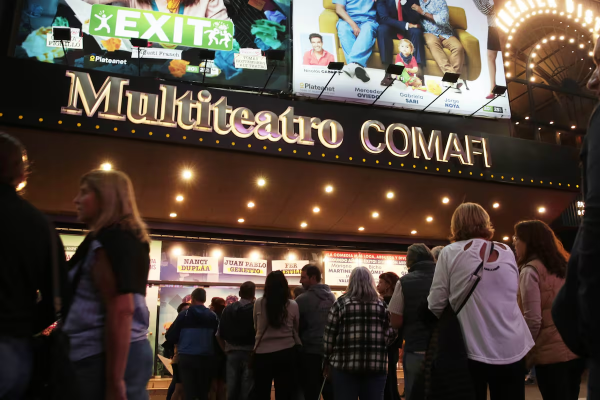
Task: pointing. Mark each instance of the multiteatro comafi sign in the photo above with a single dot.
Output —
(198, 111)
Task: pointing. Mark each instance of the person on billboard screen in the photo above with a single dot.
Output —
(356, 29)
(397, 20)
(439, 35)
(411, 68)
(318, 55)
(486, 7)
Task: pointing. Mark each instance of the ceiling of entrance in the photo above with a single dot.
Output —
(224, 182)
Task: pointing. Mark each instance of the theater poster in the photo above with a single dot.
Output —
(338, 265)
(457, 36)
(188, 40)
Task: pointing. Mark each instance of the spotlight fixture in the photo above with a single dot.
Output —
(517, 123)
(291, 256)
(177, 251)
(526, 117)
(261, 182)
(329, 188)
(361, 228)
(106, 166)
(429, 219)
(303, 225)
(390, 195)
(413, 232)
(316, 209)
(375, 214)
(186, 174)
(250, 204)
(551, 122)
(506, 238)
(533, 55)
(255, 255)
(173, 215)
(573, 126)
(496, 205)
(445, 200)
(217, 253)
(179, 198)
(542, 210)
(241, 220)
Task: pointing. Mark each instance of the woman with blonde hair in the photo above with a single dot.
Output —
(356, 337)
(543, 267)
(479, 279)
(108, 320)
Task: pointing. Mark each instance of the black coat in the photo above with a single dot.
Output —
(576, 310)
(387, 13)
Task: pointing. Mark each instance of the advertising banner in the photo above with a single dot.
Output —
(428, 40)
(289, 268)
(339, 265)
(206, 36)
(155, 249)
(198, 265)
(244, 266)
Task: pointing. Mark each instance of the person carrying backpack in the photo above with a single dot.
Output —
(236, 336)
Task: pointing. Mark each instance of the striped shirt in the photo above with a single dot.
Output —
(357, 335)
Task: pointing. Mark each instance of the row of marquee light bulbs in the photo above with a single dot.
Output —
(585, 21)
(187, 175)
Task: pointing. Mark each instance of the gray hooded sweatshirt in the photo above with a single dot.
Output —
(314, 307)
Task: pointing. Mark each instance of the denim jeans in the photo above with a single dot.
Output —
(412, 365)
(352, 386)
(91, 373)
(357, 49)
(239, 377)
(15, 368)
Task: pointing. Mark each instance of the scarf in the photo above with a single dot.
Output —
(406, 59)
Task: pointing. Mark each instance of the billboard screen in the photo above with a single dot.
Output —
(427, 38)
(184, 36)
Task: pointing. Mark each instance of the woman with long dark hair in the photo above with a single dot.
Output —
(108, 321)
(543, 266)
(385, 288)
(276, 319)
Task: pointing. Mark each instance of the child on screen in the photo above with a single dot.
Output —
(405, 57)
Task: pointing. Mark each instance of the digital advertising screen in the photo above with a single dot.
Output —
(426, 38)
(216, 42)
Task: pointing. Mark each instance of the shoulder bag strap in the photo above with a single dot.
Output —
(55, 273)
(477, 277)
(265, 331)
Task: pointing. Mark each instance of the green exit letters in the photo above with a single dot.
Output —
(174, 29)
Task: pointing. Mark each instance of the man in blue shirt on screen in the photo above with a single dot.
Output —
(357, 30)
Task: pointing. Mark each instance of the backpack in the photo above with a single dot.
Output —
(237, 325)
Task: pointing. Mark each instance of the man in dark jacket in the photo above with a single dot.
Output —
(26, 250)
(412, 290)
(314, 305)
(398, 20)
(194, 334)
(236, 336)
(576, 310)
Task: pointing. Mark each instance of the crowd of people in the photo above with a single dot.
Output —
(471, 318)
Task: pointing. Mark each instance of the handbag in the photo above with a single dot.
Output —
(53, 376)
(445, 373)
(252, 358)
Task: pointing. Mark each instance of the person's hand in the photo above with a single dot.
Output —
(355, 29)
(116, 390)
(414, 26)
(417, 8)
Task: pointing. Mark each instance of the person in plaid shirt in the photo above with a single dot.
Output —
(356, 337)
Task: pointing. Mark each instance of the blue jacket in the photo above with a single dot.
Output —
(194, 331)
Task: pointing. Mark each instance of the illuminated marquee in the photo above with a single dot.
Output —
(516, 12)
(191, 111)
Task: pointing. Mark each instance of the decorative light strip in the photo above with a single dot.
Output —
(510, 17)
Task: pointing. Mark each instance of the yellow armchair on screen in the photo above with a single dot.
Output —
(458, 19)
